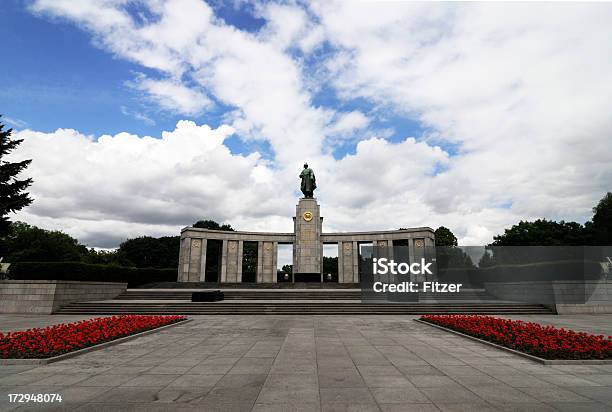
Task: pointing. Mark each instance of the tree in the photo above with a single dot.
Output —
(249, 261)
(13, 196)
(146, 251)
(330, 265)
(444, 237)
(211, 224)
(26, 243)
(102, 257)
(601, 226)
(448, 255)
(543, 232)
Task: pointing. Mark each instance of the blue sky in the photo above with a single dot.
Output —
(56, 77)
(414, 114)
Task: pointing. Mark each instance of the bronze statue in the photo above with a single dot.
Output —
(308, 181)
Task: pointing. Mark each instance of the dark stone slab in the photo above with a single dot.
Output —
(212, 296)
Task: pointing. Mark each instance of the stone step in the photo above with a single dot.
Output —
(221, 308)
(291, 295)
(246, 285)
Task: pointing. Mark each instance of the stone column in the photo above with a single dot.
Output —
(419, 253)
(348, 264)
(294, 254)
(232, 261)
(274, 261)
(381, 253)
(355, 262)
(267, 261)
(430, 256)
(411, 250)
(179, 269)
(184, 259)
(259, 262)
(224, 262)
(321, 254)
(340, 263)
(379, 244)
(308, 252)
(240, 258)
(195, 256)
(203, 261)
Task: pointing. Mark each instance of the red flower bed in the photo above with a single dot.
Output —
(67, 337)
(546, 342)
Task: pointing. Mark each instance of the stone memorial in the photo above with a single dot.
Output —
(307, 239)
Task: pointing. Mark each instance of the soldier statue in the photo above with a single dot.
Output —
(308, 181)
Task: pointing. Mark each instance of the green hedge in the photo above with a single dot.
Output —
(89, 272)
(537, 271)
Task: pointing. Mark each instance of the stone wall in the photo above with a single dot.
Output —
(562, 296)
(599, 298)
(46, 296)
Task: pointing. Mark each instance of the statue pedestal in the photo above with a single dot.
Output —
(307, 249)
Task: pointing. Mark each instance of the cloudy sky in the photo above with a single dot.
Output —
(144, 116)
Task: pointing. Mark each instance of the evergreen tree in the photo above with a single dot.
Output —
(211, 224)
(147, 251)
(444, 237)
(25, 243)
(543, 232)
(13, 196)
(601, 226)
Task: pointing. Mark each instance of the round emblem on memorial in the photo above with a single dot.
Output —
(307, 216)
(418, 243)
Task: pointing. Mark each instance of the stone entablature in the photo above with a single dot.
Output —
(197, 233)
(307, 240)
(424, 233)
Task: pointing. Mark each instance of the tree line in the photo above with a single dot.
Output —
(26, 243)
(543, 232)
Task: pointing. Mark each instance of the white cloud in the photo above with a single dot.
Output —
(289, 26)
(18, 123)
(248, 72)
(173, 96)
(126, 185)
(348, 123)
(138, 116)
(522, 89)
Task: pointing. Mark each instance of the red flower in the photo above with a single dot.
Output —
(67, 337)
(546, 342)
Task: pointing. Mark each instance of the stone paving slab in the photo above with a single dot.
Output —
(597, 324)
(310, 363)
(9, 322)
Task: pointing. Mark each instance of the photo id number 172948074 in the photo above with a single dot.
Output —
(34, 397)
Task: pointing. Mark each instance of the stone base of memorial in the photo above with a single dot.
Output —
(40, 346)
(547, 345)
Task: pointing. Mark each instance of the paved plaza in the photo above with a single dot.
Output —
(309, 363)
